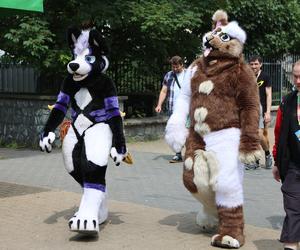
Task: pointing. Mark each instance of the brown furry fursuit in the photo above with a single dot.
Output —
(220, 95)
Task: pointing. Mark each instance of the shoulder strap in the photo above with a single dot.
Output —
(176, 80)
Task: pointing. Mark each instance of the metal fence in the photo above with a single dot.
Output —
(133, 78)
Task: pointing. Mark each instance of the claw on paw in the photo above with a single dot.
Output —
(84, 225)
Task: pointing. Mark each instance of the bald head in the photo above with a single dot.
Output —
(296, 74)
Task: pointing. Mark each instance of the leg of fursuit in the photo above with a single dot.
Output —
(228, 187)
(94, 158)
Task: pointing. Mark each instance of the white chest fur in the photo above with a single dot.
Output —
(83, 98)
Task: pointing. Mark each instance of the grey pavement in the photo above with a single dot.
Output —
(151, 185)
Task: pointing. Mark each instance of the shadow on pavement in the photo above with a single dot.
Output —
(268, 244)
(276, 221)
(185, 223)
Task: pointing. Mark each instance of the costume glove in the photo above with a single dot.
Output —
(46, 140)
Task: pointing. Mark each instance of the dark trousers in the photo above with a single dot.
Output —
(291, 201)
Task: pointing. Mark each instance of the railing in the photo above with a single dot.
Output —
(133, 78)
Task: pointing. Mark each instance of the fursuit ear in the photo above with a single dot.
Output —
(72, 35)
(96, 40)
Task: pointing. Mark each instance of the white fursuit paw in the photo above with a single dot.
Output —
(176, 133)
(225, 242)
(207, 222)
(46, 142)
(252, 157)
(86, 220)
(117, 157)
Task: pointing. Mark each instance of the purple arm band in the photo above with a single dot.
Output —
(60, 107)
(63, 98)
(94, 186)
(98, 112)
(112, 113)
(111, 102)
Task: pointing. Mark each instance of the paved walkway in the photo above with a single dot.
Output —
(149, 207)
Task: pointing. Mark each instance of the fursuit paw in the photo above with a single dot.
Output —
(176, 134)
(251, 157)
(84, 224)
(207, 222)
(86, 220)
(225, 241)
(118, 157)
(46, 141)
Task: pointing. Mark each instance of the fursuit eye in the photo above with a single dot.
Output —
(225, 38)
(90, 59)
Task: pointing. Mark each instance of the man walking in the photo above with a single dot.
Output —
(286, 152)
(171, 86)
(265, 95)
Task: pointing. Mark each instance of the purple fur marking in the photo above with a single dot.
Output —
(112, 113)
(111, 102)
(63, 98)
(60, 107)
(94, 186)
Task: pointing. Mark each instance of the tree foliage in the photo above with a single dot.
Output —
(150, 31)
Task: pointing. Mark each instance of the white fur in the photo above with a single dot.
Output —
(82, 42)
(82, 123)
(46, 142)
(84, 67)
(67, 149)
(227, 240)
(88, 210)
(248, 158)
(200, 114)
(201, 172)
(235, 31)
(202, 128)
(207, 222)
(116, 156)
(213, 166)
(208, 209)
(206, 87)
(218, 15)
(188, 163)
(106, 64)
(229, 185)
(97, 150)
(83, 98)
(103, 210)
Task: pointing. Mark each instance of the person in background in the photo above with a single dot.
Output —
(170, 90)
(286, 152)
(265, 95)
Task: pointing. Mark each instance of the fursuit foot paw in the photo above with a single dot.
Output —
(84, 224)
(206, 222)
(225, 241)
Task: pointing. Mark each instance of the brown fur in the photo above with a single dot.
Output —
(231, 223)
(232, 103)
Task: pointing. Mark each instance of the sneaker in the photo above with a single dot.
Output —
(269, 161)
(252, 166)
(175, 159)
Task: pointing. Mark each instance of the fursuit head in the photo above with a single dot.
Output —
(89, 52)
(220, 97)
